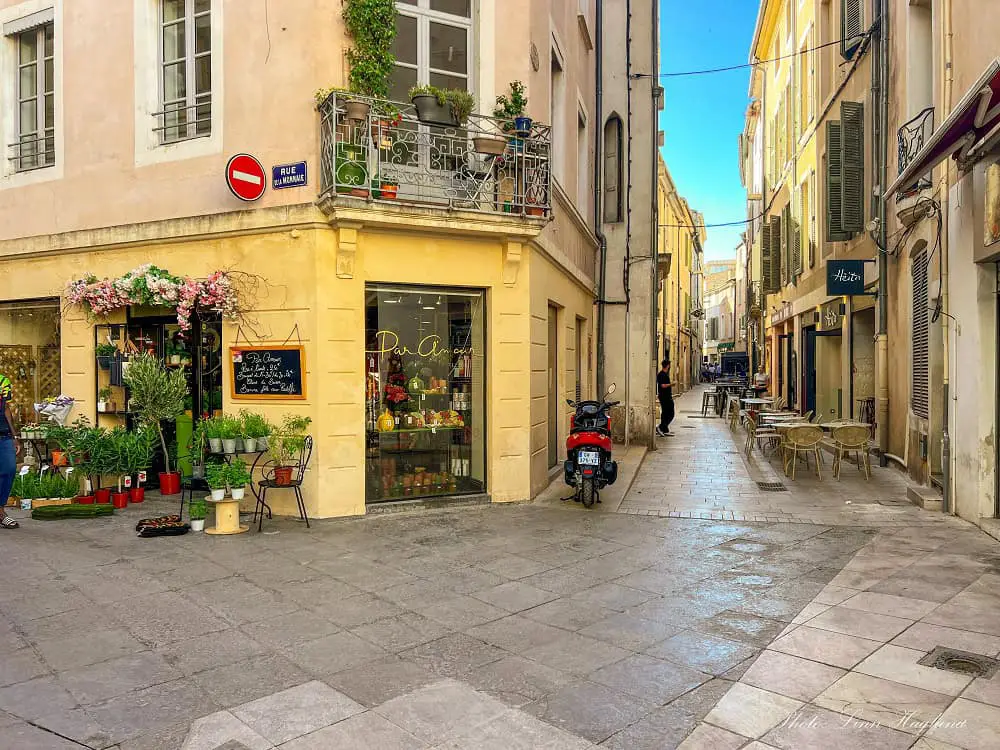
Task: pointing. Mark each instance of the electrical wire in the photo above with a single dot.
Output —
(708, 71)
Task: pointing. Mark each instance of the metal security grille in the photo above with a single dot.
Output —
(920, 387)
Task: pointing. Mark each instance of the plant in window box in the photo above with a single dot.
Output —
(215, 476)
(104, 354)
(432, 105)
(237, 477)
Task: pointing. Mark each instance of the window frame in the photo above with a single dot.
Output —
(190, 59)
(46, 156)
(617, 170)
(424, 16)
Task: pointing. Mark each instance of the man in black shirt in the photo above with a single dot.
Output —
(664, 391)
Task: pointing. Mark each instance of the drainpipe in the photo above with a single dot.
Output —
(654, 228)
(882, 338)
(946, 500)
(627, 266)
(598, 182)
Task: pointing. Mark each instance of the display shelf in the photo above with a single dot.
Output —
(415, 430)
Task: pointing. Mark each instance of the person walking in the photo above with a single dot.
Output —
(665, 392)
(9, 449)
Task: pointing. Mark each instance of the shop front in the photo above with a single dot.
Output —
(30, 353)
(823, 361)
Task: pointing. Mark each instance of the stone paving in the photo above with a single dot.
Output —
(512, 626)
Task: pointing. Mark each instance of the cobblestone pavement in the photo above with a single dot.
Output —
(508, 627)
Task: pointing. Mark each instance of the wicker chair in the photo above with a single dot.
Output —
(852, 439)
(802, 439)
(758, 436)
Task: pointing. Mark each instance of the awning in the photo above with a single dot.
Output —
(973, 120)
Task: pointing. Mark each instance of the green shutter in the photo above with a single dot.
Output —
(785, 228)
(775, 277)
(797, 235)
(852, 121)
(834, 183)
(851, 31)
(765, 257)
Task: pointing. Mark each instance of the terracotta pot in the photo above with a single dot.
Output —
(103, 495)
(170, 484)
(283, 476)
(84, 500)
(137, 494)
(119, 499)
(535, 211)
(490, 145)
(357, 110)
(359, 192)
(389, 192)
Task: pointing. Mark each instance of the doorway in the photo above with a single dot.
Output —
(824, 391)
(553, 381)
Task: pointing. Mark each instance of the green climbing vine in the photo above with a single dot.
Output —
(372, 26)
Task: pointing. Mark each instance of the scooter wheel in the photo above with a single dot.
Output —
(588, 493)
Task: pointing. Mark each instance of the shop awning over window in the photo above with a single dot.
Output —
(973, 122)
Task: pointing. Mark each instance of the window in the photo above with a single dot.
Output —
(852, 27)
(557, 116)
(806, 84)
(36, 144)
(613, 170)
(582, 163)
(810, 204)
(920, 390)
(185, 69)
(433, 45)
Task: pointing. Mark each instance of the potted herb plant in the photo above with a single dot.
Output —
(237, 478)
(229, 431)
(158, 395)
(198, 510)
(70, 487)
(461, 103)
(197, 446)
(286, 445)
(139, 457)
(104, 354)
(213, 433)
(510, 110)
(100, 464)
(103, 398)
(254, 428)
(432, 105)
(216, 476)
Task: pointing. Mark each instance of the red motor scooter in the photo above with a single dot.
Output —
(588, 466)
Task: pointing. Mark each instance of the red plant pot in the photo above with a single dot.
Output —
(389, 192)
(137, 494)
(170, 484)
(59, 458)
(283, 476)
(85, 500)
(119, 499)
(103, 495)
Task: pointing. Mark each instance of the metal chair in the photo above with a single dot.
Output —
(709, 396)
(804, 439)
(852, 439)
(268, 483)
(757, 436)
(733, 412)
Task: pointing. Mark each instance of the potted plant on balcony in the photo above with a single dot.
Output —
(510, 110)
(157, 396)
(371, 25)
(104, 354)
(432, 105)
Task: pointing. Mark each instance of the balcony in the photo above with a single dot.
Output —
(912, 137)
(755, 299)
(381, 152)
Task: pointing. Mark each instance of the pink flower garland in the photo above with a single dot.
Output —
(148, 285)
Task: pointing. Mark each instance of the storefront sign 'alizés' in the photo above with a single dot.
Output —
(429, 347)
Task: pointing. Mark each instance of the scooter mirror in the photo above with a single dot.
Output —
(569, 402)
(611, 389)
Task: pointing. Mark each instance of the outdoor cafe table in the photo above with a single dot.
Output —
(726, 389)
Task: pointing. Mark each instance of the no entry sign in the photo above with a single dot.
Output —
(245, 177)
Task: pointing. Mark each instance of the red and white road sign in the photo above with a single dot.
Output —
(245, 177)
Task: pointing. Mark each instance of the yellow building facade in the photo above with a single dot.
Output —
(679, 247)
(472, 281)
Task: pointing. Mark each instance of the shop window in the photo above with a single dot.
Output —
(425, 392)
(185, 69)
(30, 354)
(36, 141)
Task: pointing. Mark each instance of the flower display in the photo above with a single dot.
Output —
(149, 285)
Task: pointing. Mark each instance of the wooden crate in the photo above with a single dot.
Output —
(41, 503)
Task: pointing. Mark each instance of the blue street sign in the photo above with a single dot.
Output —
(845, 278)
(289, 175)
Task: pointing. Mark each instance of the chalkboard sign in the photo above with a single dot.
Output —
(268, 372)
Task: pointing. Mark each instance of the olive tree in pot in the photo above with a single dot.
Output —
(157, 395)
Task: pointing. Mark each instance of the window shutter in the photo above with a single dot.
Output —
(852, 124)
(920, 373)
(775, 277)
(834, 183)
(784, 243)
(797, 235)
(765, 257)
(851, 30)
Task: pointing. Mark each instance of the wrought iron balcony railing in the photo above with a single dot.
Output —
(912, 137)
(381, 150)
(29, 152)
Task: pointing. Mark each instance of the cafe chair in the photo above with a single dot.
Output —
(852, 439)
(707, 397)
(803, 439)
(268, 483)
(759, 436)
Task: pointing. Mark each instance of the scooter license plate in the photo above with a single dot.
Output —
(588, 458)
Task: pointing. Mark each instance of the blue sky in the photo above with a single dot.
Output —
(703, 115)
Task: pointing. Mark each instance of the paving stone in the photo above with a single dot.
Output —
(890, 704)
(296, 711)
(458, 611)
(21, 665)
(517, 681)
(790, 675)
(869, 625)
(367, 731)
(402, 632)
(243, 681)
(334, 653)
(814, 728)
(285, 630)
(663, 729)
(514, 596)
(454, 655)
(738, 626)
(923, 636)
(516, 730)
(707, 737)
(984, 691)
(705, 653)
(98, 682)
(750, 711)
(568, 614)
(516, 633)
(967, 724)
(134, 714)
(440, 711)
(99, 645)
(239, 601)
(26, 737)
(835, 649)
(900, 665)
(201, 652)
(164, 618)
(357, 610)
(612, 596)
(221, 730)
(589, 710)
(703, 698)
(649, 678)
(887, 604)
(576, 654)
(376, 682)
